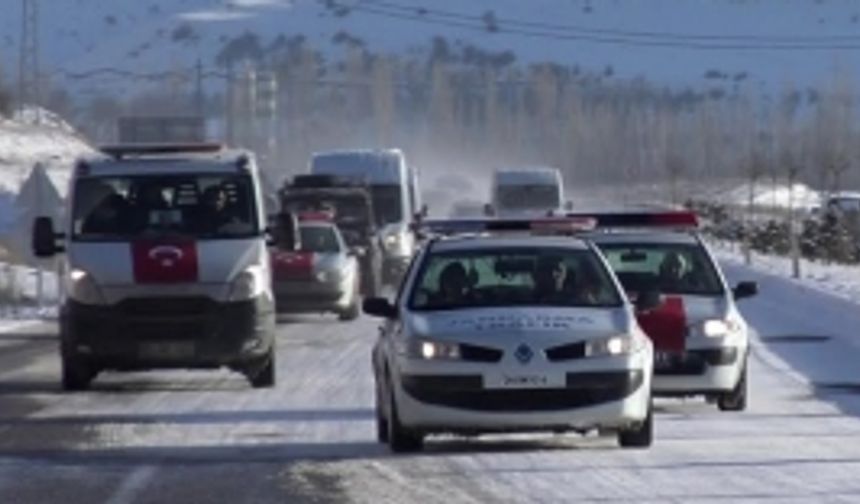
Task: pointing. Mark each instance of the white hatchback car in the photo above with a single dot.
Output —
(506, 334)
(700, 338)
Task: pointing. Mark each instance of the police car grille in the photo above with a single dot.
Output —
(566, 352)
(165, 307)
(475, 353)
(466, 392)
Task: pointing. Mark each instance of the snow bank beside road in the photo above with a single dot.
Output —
(839, 280)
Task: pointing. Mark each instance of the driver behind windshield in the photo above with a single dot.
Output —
(453, 286)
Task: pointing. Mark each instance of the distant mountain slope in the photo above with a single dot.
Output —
(624, 38)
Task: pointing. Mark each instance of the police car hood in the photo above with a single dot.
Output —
(505, 327)
(169, 268)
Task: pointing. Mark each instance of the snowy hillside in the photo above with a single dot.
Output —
(716, 43)
(36, 136)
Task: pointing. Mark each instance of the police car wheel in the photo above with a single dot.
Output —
(400, 438)
(264, 377)
(736, 399)
(640, 436)
(77, 373)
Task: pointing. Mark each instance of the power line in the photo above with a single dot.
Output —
(473, 23)
(421, 11)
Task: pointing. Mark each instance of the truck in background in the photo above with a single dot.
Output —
(530, 191)
(395, 194)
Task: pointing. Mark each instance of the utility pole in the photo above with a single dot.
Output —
(28, 68)
(198, 92)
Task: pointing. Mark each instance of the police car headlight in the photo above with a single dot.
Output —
(717, 328)
(397, 243)
(83, 288)
(392, 241)
(434, 350)
(615, 345)
(247, 285)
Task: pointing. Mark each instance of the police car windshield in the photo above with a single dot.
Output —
(524, 197)
(319, 239)
(513, 277)
(205, 206)
(666, 267)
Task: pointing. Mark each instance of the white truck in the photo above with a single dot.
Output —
(395, 193)
(165, 264)
(527, 192)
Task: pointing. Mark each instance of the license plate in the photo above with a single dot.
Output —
(166, 350)
(523, 381)
(666, 360)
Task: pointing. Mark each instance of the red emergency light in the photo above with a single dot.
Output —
(549, 225)
(666, 219)
(318, 216)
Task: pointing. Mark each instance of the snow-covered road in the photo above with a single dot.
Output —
(207, 437)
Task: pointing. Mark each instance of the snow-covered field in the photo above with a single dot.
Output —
(838, 280)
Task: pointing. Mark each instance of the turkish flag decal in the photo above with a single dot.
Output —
(163, 261)
(293, 265)
(666, 325)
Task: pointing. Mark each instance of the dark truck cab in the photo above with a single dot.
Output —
(350, 201)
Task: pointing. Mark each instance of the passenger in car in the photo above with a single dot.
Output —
(453, 286)
(550, 279)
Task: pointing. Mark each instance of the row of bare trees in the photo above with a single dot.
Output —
(456, 116)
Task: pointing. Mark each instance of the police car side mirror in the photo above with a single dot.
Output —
(379, 307)
(45, 238)
(568, 206)
(648, 300)
(745, 290)
(489, 210)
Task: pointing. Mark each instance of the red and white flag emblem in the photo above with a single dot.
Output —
(164, 261)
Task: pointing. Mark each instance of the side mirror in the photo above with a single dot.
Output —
(568, 206)
(745, 290)
(379, 307)
(489, 211)
(44, 241)
(648, 300)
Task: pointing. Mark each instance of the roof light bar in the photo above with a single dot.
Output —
(319, 216)
(132, 150)
(669, 219)
(549, 225)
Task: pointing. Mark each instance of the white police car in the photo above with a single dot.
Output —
(506, 333)
(701, 340)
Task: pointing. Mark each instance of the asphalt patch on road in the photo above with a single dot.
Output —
(839, 387)
(796, 338)
(307, 483)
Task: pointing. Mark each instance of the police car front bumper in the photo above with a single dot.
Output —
(169, 332)
(308, 296)
(592, 395)
(698, 371)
